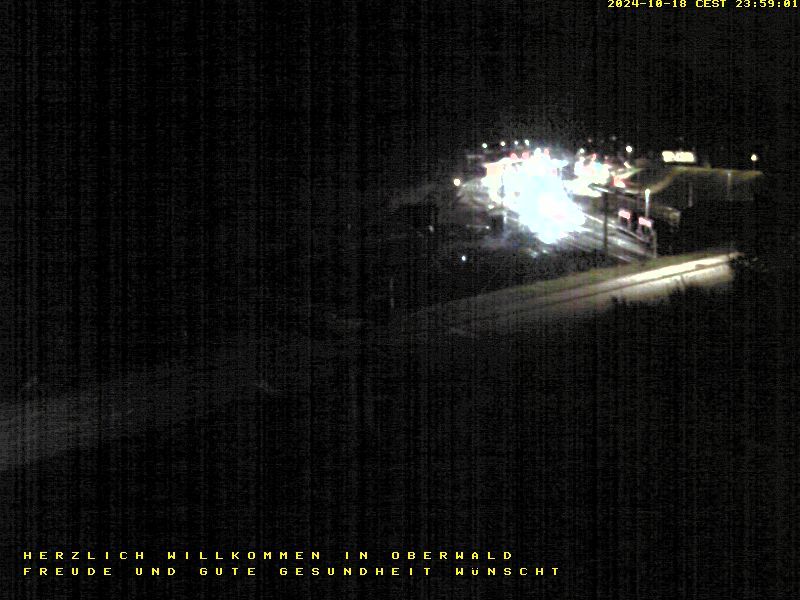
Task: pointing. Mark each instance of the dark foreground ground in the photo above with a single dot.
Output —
(648, 452)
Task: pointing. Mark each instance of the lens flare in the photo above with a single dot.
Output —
(532, 187)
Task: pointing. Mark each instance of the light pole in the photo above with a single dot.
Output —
(728, 194)
(647, 203)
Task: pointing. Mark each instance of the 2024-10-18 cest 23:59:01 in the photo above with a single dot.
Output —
(703, 3)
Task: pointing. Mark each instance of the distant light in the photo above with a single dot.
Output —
(456, 182)
(754, 157)
(613, 138)
(503, 144)
(629, 149)
(516, 142)
(589, 140)
(582, 151)
(463, 258)
(678, 157)
(527, 142)
(484, 145)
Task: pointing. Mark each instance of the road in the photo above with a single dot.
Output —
(508, 310)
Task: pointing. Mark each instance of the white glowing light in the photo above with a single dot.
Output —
(754, 157)
(456, 182)
(678, 157)
(588, 172)
(463, 258)
(503, 144)
(531, 187)
(527, 142)
(484, 145)
(628, 149)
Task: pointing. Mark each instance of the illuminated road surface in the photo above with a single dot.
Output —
(509, 310)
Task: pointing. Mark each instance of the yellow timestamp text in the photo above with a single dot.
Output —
(648, 3)
(667, 4)
(767, 3)
(672, 4)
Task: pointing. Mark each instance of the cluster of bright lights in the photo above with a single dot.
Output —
(530, 185)
(485, 145)
(588, 172)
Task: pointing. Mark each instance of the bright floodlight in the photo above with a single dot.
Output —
(503, 144)
(463, 258)
(628, 149)
(532, 187)
(754, 157)
(456, 182)
(484, 145)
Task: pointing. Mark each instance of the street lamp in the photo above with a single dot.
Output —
(503, 144)
(484, 145)
(456, 182)
(754, 158)
(628, 148)
(527, 142)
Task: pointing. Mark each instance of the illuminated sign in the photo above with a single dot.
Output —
(645, 222)
(678, 156)
(624, 214)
